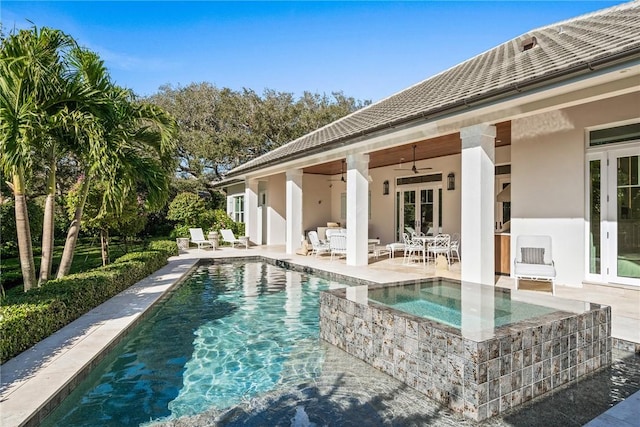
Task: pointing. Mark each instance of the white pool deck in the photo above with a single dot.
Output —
(29, 380)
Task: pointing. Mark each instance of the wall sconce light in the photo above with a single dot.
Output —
(451, 181)
(385, 187)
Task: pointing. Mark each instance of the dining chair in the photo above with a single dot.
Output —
(439, 245)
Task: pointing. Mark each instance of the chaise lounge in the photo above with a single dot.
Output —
(229, 237)
(197, 237)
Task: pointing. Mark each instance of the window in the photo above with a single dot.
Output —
(616, 134)
(238, 209)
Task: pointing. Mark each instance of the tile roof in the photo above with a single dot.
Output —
(560, 49)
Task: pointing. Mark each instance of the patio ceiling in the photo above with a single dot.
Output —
(445, 145)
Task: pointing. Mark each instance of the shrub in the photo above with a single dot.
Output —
(167, 246)
(28, 318)
(222, 220)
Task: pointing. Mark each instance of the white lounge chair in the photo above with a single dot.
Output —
(317, 245)
(338, 244)
(229, 237)
(197, 237)
(534, 260)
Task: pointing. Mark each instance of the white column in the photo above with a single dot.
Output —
(251, 209)
(357, 209)
(294, 210)
(478, 176)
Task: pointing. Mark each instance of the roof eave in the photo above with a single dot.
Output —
(624, 56)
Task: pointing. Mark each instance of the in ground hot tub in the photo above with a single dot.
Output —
(478, 349)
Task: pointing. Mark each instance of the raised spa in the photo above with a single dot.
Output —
(478, 349)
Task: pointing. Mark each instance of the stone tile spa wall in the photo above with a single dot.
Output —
(478, 379)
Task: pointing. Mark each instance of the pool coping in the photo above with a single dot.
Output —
(33, 383)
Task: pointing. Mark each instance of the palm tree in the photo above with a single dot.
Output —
(138, 141)
(72, 130)
(31, 75)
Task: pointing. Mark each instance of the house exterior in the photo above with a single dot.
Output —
(539, 135)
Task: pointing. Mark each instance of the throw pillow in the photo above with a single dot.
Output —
(533, 255)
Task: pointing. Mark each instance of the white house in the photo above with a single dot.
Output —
(539, 135)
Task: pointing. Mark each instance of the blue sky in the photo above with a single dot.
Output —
(368, 50)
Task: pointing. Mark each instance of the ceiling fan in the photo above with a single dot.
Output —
(413, 169)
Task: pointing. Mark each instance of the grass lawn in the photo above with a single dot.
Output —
(86, 257)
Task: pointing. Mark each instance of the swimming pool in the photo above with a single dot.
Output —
(441, 301)
(229, 333)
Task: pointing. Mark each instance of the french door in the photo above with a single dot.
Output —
(614, 215)
(419, 209)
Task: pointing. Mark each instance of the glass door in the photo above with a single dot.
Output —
(624, 215)
(613, 229)
(419, 210)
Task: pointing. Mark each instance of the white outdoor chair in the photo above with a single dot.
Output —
(440, 245)
(534, 260)
(338, 244)
(229, 237)
(332, 231)
(317, 245)
(197, 237)
(454, 246)
(412, 247)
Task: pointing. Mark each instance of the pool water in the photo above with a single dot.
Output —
(440, 300)
(229, 333)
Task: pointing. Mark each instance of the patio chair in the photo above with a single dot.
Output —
(197, 237)
(454, 246)
(412, 247)
(317, 245)
(229, 237)
(332, 231)
(338, 244)
(440, 245)
(534, 260)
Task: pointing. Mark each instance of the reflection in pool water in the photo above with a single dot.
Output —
(228, 334)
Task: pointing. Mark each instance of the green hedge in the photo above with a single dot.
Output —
(29, 318)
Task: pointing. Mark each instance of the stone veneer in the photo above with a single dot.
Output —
(477, 378)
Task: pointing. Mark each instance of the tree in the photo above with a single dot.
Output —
(138, 154)
(127, 222)
(188, 210)
(32, 90)
(221, 128)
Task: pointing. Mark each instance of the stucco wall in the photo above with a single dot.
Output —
(316, 201)
(548, 177)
